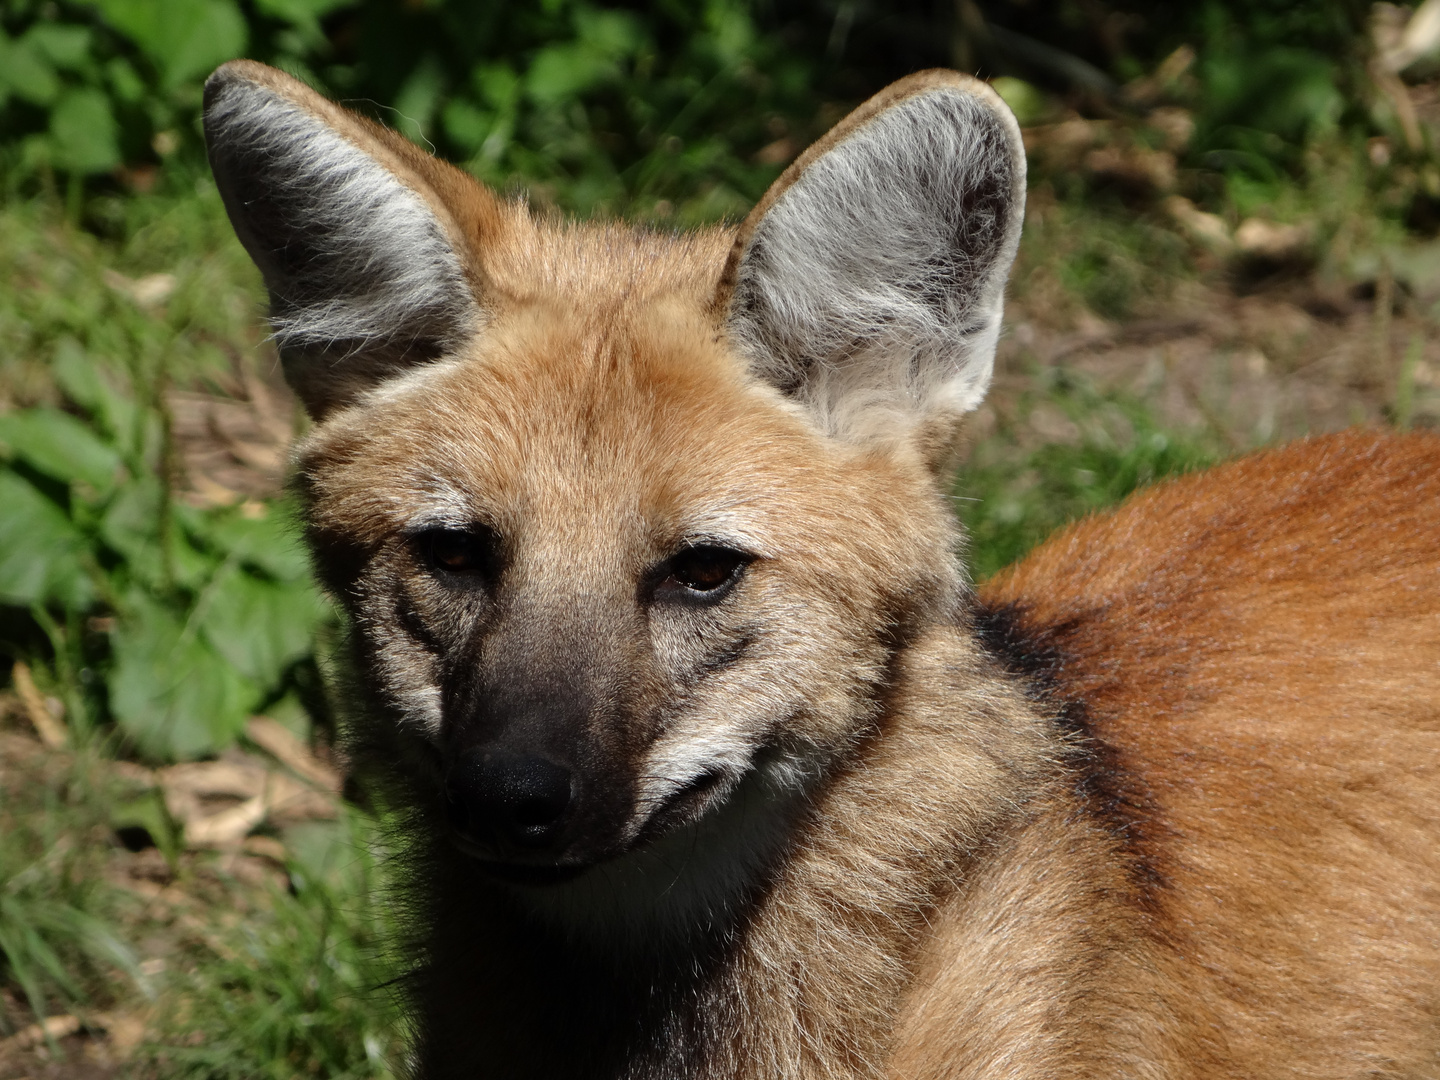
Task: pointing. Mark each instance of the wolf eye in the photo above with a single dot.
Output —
(706, 568)
(458, 551)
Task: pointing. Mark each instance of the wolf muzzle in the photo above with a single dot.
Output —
(508, 801)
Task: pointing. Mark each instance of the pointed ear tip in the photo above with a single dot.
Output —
(944, 80)
(233, 71)
(254, 75)
(224, 81)
(987, 95)
(220, 79)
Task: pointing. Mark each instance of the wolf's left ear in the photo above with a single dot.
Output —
(868, 282)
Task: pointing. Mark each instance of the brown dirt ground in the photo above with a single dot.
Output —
(1273, 365)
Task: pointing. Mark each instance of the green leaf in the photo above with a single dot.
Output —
(170, 690)
(131, 526)
(190, 567)
(613, 33)
(84, 131)
(1027, 103)
(416, 101)
(300, 11)
(731, 32)
(466, 125)
(65, 46)
(59, 445)
(184, 38)
(260, 627)
(561, 72)
(497, 85)
(80, 376)
(147, 811)
(271, 543)
(217, 34)
(124, 80)
(41, 552)
(26, 72)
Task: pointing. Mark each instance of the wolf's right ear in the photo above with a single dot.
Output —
(368, 246)
(868, 283)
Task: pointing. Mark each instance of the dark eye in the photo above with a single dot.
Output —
(459, 551)
(704, 569)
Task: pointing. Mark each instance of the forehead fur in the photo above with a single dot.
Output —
(599, 264)
(602, 399)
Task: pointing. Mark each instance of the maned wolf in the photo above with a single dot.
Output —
(709, 761)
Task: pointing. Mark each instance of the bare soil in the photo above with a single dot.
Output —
(1292, 359)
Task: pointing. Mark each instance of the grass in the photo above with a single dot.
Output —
(71, 289)
(231, 977)
(61, 935)
(187, 614)
(1010, 498)
(1096, 255)
(296, 986)
(304, 986)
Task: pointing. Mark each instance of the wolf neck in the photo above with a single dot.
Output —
(806, 972)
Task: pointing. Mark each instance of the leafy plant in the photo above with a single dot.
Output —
(595, 107)
(173, 622)
(660, 110)
(210, 609)
(86, 85)
(168, 624)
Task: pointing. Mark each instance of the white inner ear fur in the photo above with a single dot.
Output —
(872, 289)
(354, 259)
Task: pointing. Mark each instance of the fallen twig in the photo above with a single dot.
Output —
(48, 726)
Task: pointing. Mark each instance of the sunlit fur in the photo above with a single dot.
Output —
(1159, 802)
(1260, 646)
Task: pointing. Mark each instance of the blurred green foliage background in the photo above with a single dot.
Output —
(623, 108)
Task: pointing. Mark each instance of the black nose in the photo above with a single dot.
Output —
(517, 799)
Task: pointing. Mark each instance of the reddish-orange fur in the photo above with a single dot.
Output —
(1260, 646)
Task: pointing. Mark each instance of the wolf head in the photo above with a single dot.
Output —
(625, 522)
